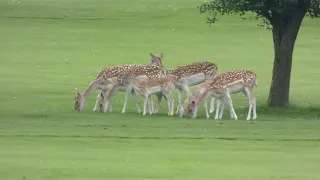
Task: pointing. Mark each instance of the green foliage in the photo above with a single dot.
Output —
(267, 10)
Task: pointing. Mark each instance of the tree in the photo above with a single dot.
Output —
(284, 18)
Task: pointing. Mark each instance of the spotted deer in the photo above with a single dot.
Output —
(140, 73)
(146, 88)
(103, 81)
(193, 74)
(220, 87)
(197, 91)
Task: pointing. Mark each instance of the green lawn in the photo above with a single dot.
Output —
(50, 47)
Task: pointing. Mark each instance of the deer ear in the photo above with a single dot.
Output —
(77, 91)
(153, 56)
(161, 55)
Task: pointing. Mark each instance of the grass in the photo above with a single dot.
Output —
(50, 47)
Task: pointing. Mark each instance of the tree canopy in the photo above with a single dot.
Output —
(284, 18)
(267, 10)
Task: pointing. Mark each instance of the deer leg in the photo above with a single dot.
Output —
(228, 102)
(103, 105)
(217, 110)
(133, 93)
(221, 110)
(212, 105)
(159, 96)
(145, 103)
(195, 111)
(206, 108)
(150, 105)
(98, 101)
(184, 88)
(248, 94)
(179, 100)
(254, 108)
(169, 102)
(107, 98)
(181, 110)
(128, 90)
(252, 104)
(109, 105)
(172, 105)
(231, 115)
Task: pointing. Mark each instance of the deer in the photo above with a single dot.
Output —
(221, 87)
(197, 91)
(140, 73)
(193, 74)
(146, 88)
(103, 81)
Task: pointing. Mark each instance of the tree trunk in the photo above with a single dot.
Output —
(284, 36)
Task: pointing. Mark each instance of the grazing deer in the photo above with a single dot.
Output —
(193, 74)
(139, 73)
(103, 81)
(197, 91)
(220, 87)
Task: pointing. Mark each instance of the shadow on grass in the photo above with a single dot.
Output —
(160, 138)
(290, 112)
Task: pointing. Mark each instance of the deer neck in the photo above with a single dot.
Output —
(91, 88)
(202, 97)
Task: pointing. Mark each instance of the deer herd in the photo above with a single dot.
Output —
(154, 79)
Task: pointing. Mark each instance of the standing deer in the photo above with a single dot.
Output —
(139, 73)
(220, 87)
(193, 74)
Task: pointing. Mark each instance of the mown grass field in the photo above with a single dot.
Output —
(49, 47)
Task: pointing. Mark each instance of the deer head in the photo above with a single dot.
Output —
(78, 101)
(104, 99)
(191, 107)
(102, 103)
(156, 60)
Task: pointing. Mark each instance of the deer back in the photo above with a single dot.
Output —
(209, 69)
(238, 77)
(114, 71)
(149, 71)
